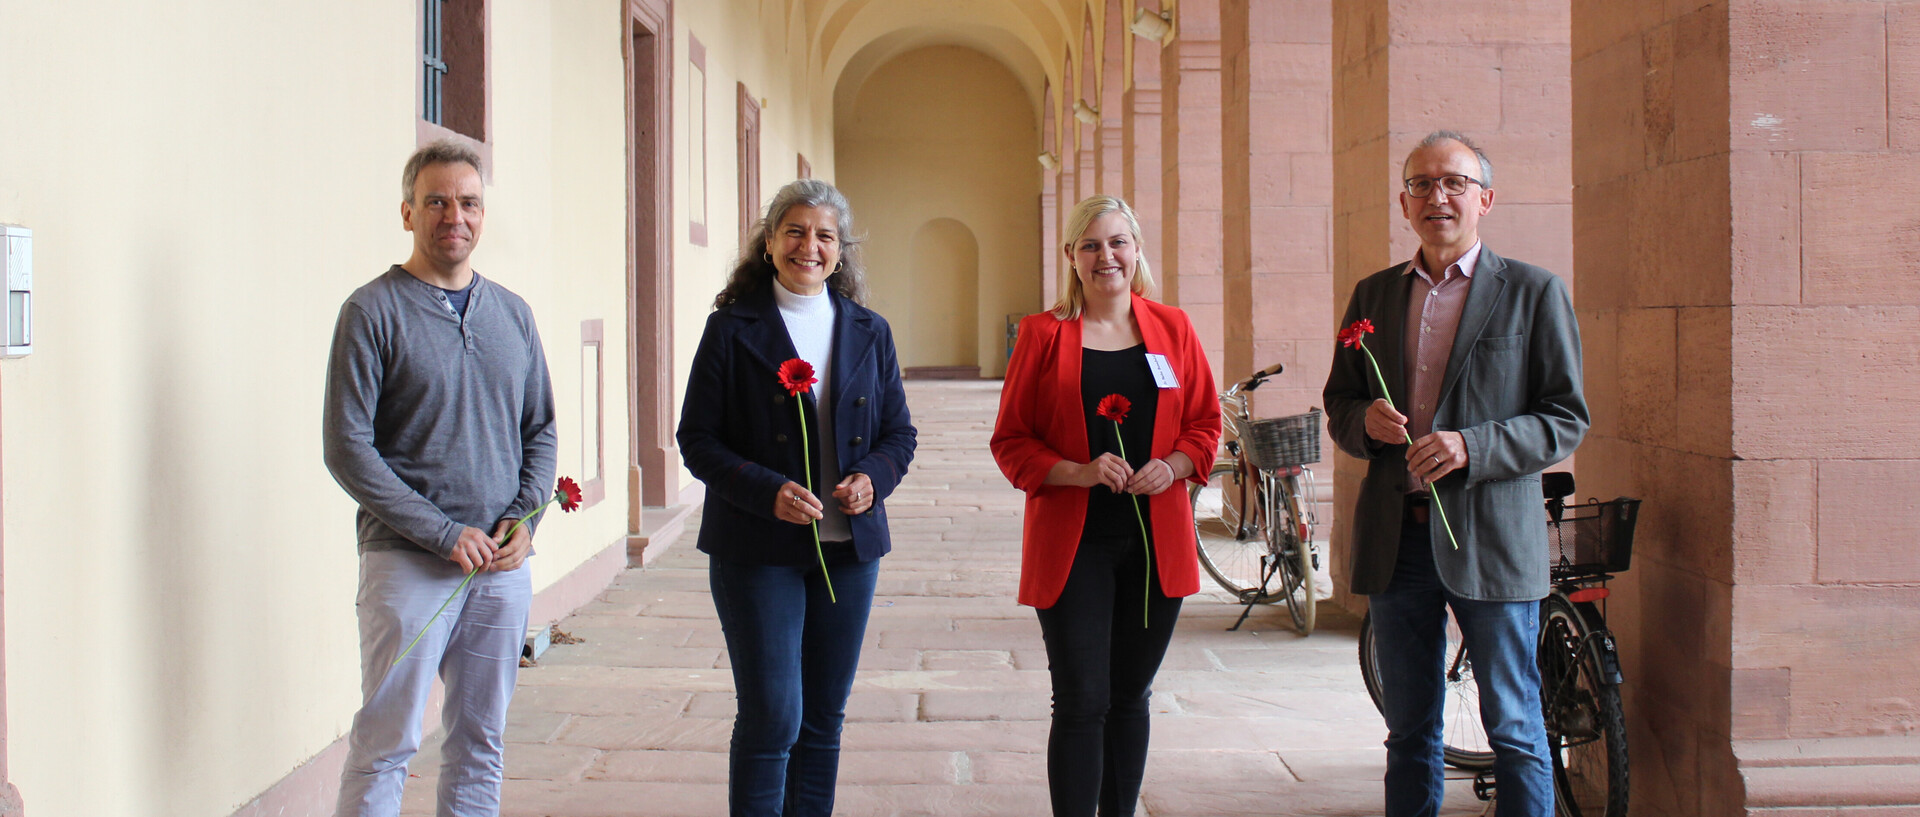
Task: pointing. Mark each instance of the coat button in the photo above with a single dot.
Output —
(859, 401)
(857, 440)
(779, 399)
(779, 438)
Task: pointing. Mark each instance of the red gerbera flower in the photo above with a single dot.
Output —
(796, 376)
(568, 493)
(1351, 336)
(1114, 407)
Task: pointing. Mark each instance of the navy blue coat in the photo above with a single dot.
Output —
(739, 432)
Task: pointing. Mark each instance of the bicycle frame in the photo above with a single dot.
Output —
(1252, 500)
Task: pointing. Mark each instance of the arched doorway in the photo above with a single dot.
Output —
(943, 309)
(935, 151)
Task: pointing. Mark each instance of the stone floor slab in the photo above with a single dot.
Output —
(949, 710)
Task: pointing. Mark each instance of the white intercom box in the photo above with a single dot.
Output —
(16, 271)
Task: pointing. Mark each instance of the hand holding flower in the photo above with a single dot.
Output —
(1385, 424)
(796, 378)
(516, 544)
(797, 505)
(484, 554)
(474, 550)
(1108, 469)
(1382, 417)
(1159, 474)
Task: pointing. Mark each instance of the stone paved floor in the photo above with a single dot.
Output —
(949, 714)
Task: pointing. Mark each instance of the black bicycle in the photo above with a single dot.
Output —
(1579, 666)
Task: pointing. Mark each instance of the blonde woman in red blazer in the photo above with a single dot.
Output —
(1107, 610)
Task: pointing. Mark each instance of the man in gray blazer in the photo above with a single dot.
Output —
(1481, 361)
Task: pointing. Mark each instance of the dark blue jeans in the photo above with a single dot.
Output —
(793, 654)
(1102, 656)
(1410, 645)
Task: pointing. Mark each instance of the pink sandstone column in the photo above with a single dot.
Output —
(1278, 174)
(1190, 156)
(1112, 87)
(1493, 69)
(1746, 234)
(1086, 137)
(1050, 257)
(1140, 180)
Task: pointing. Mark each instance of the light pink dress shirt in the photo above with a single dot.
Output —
(1433, 317)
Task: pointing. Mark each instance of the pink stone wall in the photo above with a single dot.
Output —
(1744, 238)
(1277, 180)
(1112, 85)
(1190, 261)
(1141, 172)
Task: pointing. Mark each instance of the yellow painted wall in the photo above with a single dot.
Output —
(945, 132)
(204, 191)
(755, 43)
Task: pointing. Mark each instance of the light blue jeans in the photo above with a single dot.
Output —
(1410, 645)
(474, 646)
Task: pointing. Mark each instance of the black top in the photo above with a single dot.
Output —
(1123, 372)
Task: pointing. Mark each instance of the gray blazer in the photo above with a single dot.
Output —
(1512, 389)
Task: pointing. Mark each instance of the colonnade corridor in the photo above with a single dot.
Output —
(949, 712)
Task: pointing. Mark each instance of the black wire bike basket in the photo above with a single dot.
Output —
(1282, 442)
(1592, 539)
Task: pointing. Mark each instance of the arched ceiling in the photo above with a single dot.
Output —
(848, 39)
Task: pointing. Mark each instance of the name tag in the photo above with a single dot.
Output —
(1162, 371)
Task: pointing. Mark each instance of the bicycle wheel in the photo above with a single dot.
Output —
(1229, 522)
(1586, 729)
(1463, 738)
(1294, 550)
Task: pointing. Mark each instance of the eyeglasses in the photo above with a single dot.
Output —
(1421, 187)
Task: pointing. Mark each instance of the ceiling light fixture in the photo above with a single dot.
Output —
(1153, 26)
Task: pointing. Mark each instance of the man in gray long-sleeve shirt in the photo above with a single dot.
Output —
(439, 422)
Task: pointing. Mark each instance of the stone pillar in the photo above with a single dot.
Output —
(1050, 259)
(1086, 136)
(1112, 86)
(1745, 234)
(1140, 179)
(1493, 69)
(1277, 220)
(1190, 157)
(1063, 202)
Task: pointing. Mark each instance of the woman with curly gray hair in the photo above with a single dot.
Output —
(791, 574)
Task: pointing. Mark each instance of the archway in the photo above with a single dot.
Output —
(935, 151)
(944, 310)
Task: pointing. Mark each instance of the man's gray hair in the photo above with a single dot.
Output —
(1436, 137)
(442, 152)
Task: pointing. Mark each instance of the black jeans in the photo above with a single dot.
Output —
(1102, 656)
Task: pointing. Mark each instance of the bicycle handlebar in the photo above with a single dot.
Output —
(1255, 380)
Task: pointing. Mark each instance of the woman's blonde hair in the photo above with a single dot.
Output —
(1072, 299)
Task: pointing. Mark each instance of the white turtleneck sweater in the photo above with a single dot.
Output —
(809, 320)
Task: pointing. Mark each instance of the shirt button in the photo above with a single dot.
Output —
(1423, 368)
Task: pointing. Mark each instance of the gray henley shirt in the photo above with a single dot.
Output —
(435, 421)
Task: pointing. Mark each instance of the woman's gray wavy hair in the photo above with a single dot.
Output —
(754, 272)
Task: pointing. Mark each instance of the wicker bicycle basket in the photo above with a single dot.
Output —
(1282, 442)
(1593, 538)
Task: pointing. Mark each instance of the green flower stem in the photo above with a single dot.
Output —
(806, 461)
(1146, 590)
(1431, 491)
(463, 582)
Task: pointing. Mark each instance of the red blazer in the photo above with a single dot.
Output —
(1042, 421)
